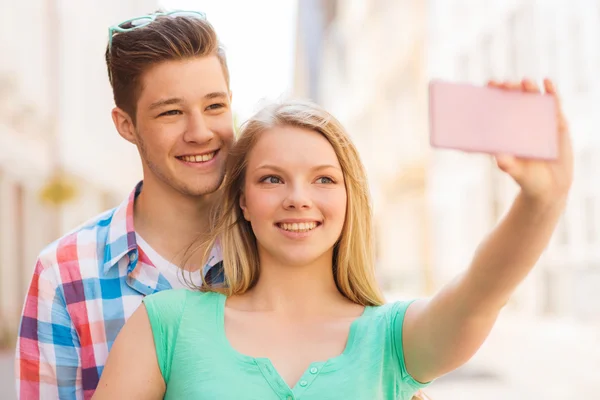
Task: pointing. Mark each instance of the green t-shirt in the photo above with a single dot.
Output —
(197, 361)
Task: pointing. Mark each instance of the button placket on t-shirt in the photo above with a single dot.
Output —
(307, 378)
(274, 380)
(280, 387)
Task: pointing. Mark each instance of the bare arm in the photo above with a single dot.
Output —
(445, 332)
(132, 370)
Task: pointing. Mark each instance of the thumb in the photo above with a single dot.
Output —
(507, 163)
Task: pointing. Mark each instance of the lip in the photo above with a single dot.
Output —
(297, 235)
(200, 165)
(298, 221)
(199, 154)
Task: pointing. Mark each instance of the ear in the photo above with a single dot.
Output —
(124, 125)
(243, 207)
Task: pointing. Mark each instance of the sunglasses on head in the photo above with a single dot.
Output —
(139, 22)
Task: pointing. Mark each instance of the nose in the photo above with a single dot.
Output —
(298, 198)
(197, 129)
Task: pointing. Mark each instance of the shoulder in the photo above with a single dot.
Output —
(390, 325)
(384, 322)
(169, 305)
(61, 259)
(170, 297)
(390, 312)
(65, 248)
(388, 319)
(179, 296)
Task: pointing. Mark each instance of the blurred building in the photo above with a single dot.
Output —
(345, 63)
(370, 64)
(61, 160)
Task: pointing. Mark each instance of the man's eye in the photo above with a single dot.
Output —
(215, 106)
(171, 112)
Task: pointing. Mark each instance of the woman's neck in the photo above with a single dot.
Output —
(295, 290)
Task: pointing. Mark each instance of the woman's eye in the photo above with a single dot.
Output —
(271, 179)
(325, 180)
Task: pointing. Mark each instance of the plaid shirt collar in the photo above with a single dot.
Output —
(121, 234)
(121, 245)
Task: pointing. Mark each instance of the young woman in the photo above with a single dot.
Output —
(300, 315)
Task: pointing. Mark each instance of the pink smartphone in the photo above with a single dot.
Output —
(489, 120)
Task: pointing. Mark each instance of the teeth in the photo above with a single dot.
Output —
(298, 227)
(198, 158)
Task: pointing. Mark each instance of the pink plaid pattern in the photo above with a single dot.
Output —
(84, 287)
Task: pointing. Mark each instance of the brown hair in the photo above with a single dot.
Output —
(353, 258)
(167, 38)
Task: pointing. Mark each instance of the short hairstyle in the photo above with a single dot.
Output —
(167, 38)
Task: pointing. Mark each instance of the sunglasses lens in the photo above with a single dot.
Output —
(136, 23)
(188, 14)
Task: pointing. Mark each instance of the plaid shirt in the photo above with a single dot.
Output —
(84, 287)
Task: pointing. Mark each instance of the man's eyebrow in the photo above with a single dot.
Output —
(179, 100)
(215, 95)
(165, 102)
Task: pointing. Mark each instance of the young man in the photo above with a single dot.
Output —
(171, 89)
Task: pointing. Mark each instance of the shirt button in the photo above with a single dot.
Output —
(313, 370)
(303, 383)
(290, 398)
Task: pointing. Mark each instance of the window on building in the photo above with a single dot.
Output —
(2, 213)
(487, 57)
(590, 217)
(586, 163)
(342, 56)
(18, 193)
(495, 185)
(521, 52)
(562, 232)
(513, 46)
(552, 58)
(578, 54)
(463, 68)
(330, 10)
(550, 304)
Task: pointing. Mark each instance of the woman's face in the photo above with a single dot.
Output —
(294, 196)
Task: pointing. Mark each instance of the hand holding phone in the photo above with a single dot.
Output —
(490, 120)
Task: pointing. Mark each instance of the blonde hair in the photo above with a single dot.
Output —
(353, 256)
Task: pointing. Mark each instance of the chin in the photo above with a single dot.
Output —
(201, 187)
(196, 190)
(301, 258)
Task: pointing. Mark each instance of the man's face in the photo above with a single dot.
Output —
(184, 125)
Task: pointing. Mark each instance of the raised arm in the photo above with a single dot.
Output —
(443, 333)
(132, 370)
